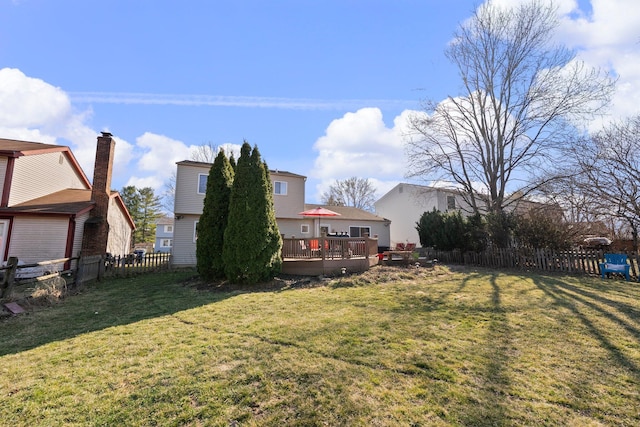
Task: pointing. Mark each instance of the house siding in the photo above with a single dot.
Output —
(77, 238)
(3, 173)
(184, 248)
(161, 235)
(47, 234)
(119, 230)
(187, 199)
(52, 171)
(404, 204)
(289, 205)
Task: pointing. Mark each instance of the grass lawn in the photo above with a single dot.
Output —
(390, 347)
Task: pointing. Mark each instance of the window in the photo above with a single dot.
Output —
(359, 231)
(451, 203)
(202, 183)
(304, 228)
(195, 231)
(168, 228)
(280, 187)
(166, 243)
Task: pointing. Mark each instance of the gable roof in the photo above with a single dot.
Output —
(208, 166)
(13, 148)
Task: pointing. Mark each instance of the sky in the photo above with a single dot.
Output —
(322, 88)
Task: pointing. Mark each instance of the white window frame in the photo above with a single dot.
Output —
(280, 192)
(200, 175)
(305, 229)
(4, 232)
(163, 241)
(168, 228)
(195, 231)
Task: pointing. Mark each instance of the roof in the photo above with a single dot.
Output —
(417, 188)
(164, 220)
(14, 148)
(68, 202)
(208, 166)
(347, 212)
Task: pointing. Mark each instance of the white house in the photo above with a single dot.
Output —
(405, 203)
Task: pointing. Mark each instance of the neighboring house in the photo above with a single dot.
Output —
(50, 210)
(164, 234)
(288, 200)
(405, 203)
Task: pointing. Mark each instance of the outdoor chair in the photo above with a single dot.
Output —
(615, 263)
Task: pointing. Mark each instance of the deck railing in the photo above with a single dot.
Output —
(329, 247)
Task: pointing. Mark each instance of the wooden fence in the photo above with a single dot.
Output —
(581, 261)
(81, 270)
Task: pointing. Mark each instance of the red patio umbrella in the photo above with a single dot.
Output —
(317, 213)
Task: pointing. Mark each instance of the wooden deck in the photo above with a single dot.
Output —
(328, 255)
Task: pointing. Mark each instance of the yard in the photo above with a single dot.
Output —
(392, 346)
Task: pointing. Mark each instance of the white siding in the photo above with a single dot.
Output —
(404, 204)
(37, 239)
(119, 241)
(41, 174)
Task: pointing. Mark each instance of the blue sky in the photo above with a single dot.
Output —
(321, 87)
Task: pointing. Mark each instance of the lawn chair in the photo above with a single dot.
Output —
(615, 263)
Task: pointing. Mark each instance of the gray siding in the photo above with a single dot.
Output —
(187, 199)
(184, 248)
(3, 172)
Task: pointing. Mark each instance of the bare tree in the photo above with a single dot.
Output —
(356, 192)
(205, 153)
(521, 98)
(609, 168)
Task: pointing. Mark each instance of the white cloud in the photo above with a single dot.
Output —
(33, 110)
(609, 38)
(360, 144)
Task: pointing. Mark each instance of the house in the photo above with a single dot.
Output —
(49, 209)
(164, 234)
(405, 203)
(288, 200)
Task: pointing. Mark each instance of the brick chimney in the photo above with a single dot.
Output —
(96, 229)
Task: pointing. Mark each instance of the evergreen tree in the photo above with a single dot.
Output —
(252, 241)
(213, 221)
(145, 208)
(150, 206)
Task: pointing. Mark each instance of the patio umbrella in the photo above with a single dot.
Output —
(318, 213)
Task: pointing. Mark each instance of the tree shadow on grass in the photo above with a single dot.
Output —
(494, 383)
(587, 307)
(100, 305)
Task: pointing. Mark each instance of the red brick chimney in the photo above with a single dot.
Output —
(96, 229)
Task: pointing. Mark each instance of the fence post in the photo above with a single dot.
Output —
(9, 277)
(80, 272)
